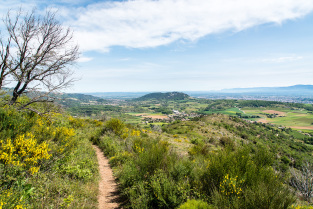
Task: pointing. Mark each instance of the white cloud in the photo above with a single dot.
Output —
(151, 23)
(283, 59)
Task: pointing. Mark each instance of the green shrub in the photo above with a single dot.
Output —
(251, 183)
(226, 141)
(109, 145)
(195, 204)
(153, 155)
(167, 192)
(139, 196)
(115, 125)
(199, 149)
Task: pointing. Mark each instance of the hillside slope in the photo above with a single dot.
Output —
(222, 160)
(290, 147)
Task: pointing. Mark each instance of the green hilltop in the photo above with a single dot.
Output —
(164, 96)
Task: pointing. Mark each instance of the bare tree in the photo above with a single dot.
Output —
(303, 181)
(4, 56)
(36, 55)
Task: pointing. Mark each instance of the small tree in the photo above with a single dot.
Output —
(35, 55)
(303, 181)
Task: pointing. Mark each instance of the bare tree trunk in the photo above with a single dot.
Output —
(303, 181)
(4, 56)
(44, 53)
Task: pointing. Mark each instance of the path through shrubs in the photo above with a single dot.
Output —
(108, 192)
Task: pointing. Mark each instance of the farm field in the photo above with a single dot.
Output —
(296, 119)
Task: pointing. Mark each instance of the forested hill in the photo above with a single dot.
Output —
(80, 97)
(164, 96)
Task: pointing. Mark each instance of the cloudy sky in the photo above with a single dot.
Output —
(186, 45)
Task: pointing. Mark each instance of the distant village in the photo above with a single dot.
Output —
(182, 116)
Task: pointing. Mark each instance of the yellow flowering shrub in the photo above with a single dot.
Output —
(8, 200)
(115, 125)
(231, 186)
(135, 132)
(63, 132)
(177, 140)
(146, 131)
(23, 151)
(125, 133)
(137, 148)
(98, 123)
(48, 146)
(64, 136)
(67, 201)
(301, 207)
(76, 122)
(41, 127)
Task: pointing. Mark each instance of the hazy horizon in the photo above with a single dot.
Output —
(189, 90)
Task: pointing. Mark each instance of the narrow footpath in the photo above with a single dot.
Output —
(108, 190)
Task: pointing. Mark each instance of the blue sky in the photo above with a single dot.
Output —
(186, 45)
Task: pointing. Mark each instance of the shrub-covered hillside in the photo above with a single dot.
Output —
(46, 161)
(289, 147)
(214, 162)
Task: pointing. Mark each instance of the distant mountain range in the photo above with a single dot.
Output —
(294, 91)
(301, 89)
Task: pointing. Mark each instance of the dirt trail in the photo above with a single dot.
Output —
(108, 192)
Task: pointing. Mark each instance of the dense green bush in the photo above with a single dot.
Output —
(195, 204)
(115, 125)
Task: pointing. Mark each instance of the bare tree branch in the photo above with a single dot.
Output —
(37, 52)
(303, 181)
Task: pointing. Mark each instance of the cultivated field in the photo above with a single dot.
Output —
(296, 119)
